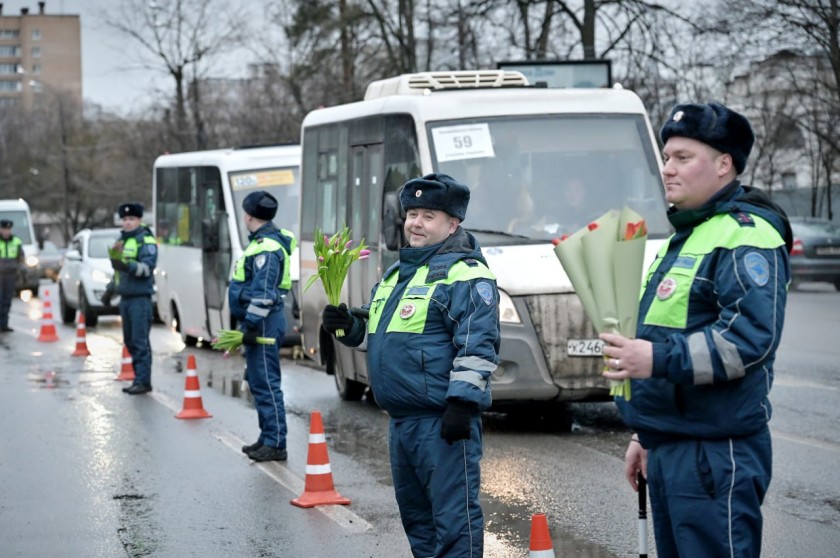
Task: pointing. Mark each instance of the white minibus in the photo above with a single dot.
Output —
(539, 163)
(198, 222)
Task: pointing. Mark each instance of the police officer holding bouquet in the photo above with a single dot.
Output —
(710, 321)
(432, 344)
(11, 260)
(134, 258)
(261, 280)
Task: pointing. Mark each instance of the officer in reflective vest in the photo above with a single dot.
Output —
(134, 258)
(257, 293)
(710, 321)
(432, 344)
(11, 261)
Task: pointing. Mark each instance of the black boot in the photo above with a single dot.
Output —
(268, 453)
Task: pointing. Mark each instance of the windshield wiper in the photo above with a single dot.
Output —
(501, 233)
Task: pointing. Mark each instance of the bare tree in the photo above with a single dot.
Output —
(181, 38)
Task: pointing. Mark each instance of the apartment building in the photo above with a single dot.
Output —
(40, 58)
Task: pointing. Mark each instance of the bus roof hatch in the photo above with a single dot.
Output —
(422, 82)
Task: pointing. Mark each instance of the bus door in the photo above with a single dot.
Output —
(365, 209)
(216, 252)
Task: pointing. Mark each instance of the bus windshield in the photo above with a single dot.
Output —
(543, 176)
(282, 183)
(20, 224)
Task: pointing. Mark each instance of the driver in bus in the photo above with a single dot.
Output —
(432, 344)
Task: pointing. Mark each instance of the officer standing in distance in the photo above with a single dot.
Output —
(260, 282)
(432, 344)
(134, 282)
(11, 261)
(710, 321)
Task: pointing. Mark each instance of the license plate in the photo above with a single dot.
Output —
(828, 251)
(584, 347)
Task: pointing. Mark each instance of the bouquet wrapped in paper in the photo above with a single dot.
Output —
(335, 254)
(604, 262)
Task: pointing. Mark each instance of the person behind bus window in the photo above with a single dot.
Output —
(261, 279)
(11, 261)
(432, 344)
(134, 281)
(710, 320)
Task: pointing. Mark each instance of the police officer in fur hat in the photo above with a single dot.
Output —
(432, 344)
(261, 280)
(710, 321)
(134, 258)
(11, 261)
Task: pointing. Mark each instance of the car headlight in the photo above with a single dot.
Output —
(100, 276)
(507, 311)
(32, 261)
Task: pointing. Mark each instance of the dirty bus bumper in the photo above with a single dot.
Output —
(534, 361)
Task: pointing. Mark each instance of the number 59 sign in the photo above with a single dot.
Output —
(468, 141)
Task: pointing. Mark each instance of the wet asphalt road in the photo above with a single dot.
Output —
(88, 471)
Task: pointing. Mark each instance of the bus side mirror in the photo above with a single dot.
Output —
(392, 222)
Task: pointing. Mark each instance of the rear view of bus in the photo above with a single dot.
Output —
(201, 234)
(539, 162)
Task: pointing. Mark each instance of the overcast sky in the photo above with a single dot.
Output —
(104, 79)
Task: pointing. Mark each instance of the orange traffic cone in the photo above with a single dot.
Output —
(127, 367)
(193, 407)
(541, 546)
(319, 489)
(47, 324)
(81, 342)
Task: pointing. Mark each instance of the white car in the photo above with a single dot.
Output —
(85, 273)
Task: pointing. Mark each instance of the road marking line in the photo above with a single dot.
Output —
(280, 473)
(821, 444)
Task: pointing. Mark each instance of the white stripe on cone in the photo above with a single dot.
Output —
(192, 394)
(542, 554)
(317, 439)
(318, 469)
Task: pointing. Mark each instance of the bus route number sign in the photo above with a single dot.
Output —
(466, 141)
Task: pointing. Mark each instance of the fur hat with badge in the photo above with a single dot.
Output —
(436, 191)
(130, 210)
(260, 205)
(715, 125)
(5, 224)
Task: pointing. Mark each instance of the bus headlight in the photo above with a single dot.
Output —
(507, 311)
(32, 261)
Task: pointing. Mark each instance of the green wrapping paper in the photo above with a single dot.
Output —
(604, 262)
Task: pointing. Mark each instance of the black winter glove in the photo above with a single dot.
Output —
(106, 298)
(249, 337)
(337, 317)
(455, 424)
(119, 265)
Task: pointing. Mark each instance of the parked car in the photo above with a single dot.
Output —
(85, 273)
(816, 251)
(50, 258)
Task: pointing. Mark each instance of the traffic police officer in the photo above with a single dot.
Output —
(710, 321)
(134, 282)
(432, 344)
(260, 282)
(11, 261)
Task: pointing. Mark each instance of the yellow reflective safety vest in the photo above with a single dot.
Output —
(9, 249)
(267, 244)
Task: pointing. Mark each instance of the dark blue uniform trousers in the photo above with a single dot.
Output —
(263, 375)
(436, 486)
(7, 293)
(136, 313)
(706, 496)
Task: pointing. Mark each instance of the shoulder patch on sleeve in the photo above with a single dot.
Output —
(757, 268)
(485, 291)
(259, 261)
